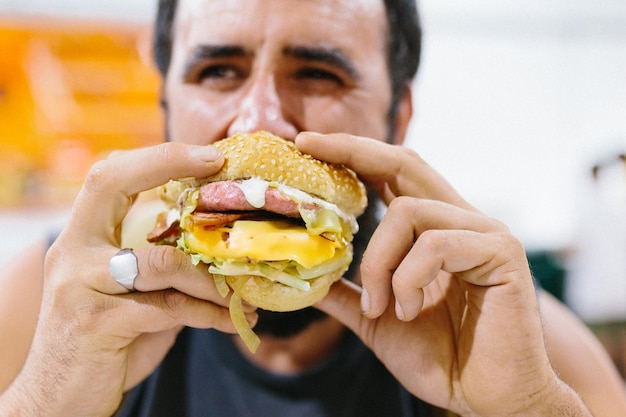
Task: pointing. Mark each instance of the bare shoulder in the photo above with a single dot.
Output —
(580, 360)
(21, 285)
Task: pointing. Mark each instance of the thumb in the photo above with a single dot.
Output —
(343, 302)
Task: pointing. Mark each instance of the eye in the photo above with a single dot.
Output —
(318, 81)
(217, 71)
(220, 77)
(318, 74)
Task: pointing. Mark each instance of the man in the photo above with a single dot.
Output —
(448, 310)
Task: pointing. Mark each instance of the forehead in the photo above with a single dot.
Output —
(357, 27)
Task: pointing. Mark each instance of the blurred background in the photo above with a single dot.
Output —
(521, 105)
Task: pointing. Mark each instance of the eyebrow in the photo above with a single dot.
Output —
(330, 56)
(205, 52)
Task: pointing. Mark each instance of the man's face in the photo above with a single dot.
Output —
(278, 65)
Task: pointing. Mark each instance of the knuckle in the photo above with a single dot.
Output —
(408, 157)
(173, 302)
(512, 242)
(98, 178)
(401, 280)
(60, 275)
(433, 238)
(164, 260)
(499, 225)
(166, 152)
(408, 153)
(402, 208)
(401, 204)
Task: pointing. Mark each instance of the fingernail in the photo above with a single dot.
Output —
(399, 311)
(365, 302)
(205, 153)
(313, 135)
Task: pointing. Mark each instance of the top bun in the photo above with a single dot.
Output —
(271, 158)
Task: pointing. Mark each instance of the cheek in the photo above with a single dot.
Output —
(355, 114)
(193, 119)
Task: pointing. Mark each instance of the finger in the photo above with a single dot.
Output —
(164, 267)
(399, 168)
(392, 242)
(159, 311)
(112, 184)
(480, 259)
(343, 303)
(126, 316)
(99, 305)
(145, 354)
(160, 268)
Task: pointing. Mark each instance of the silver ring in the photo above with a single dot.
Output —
(123, 268)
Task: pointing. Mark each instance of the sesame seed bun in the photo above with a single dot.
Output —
(271, 158)
(272, 296)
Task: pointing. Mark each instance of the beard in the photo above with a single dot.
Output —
(287, 324)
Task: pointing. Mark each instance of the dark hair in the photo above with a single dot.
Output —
(163, 34)
(404, 43)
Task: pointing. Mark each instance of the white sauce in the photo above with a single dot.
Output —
(172, 216)
(254, 191)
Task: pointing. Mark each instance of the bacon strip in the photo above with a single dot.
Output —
(163, 232)
(214, 219)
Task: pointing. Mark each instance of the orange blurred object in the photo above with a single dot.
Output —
(70, 92)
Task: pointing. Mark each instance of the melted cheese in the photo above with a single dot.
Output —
(263, 241)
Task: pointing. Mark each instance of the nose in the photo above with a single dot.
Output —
(262, 108)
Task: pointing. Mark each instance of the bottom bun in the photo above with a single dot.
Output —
(273, 296)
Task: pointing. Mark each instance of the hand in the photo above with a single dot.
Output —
(448, 303)
(94, 339)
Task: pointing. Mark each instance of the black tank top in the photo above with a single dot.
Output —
(204, 376)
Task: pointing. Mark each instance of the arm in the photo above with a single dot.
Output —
(21, 283)
(580, 360)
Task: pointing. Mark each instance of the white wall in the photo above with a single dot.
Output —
(515, 102)
(127, 10)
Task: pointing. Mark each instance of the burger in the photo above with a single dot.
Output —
(275, 225)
